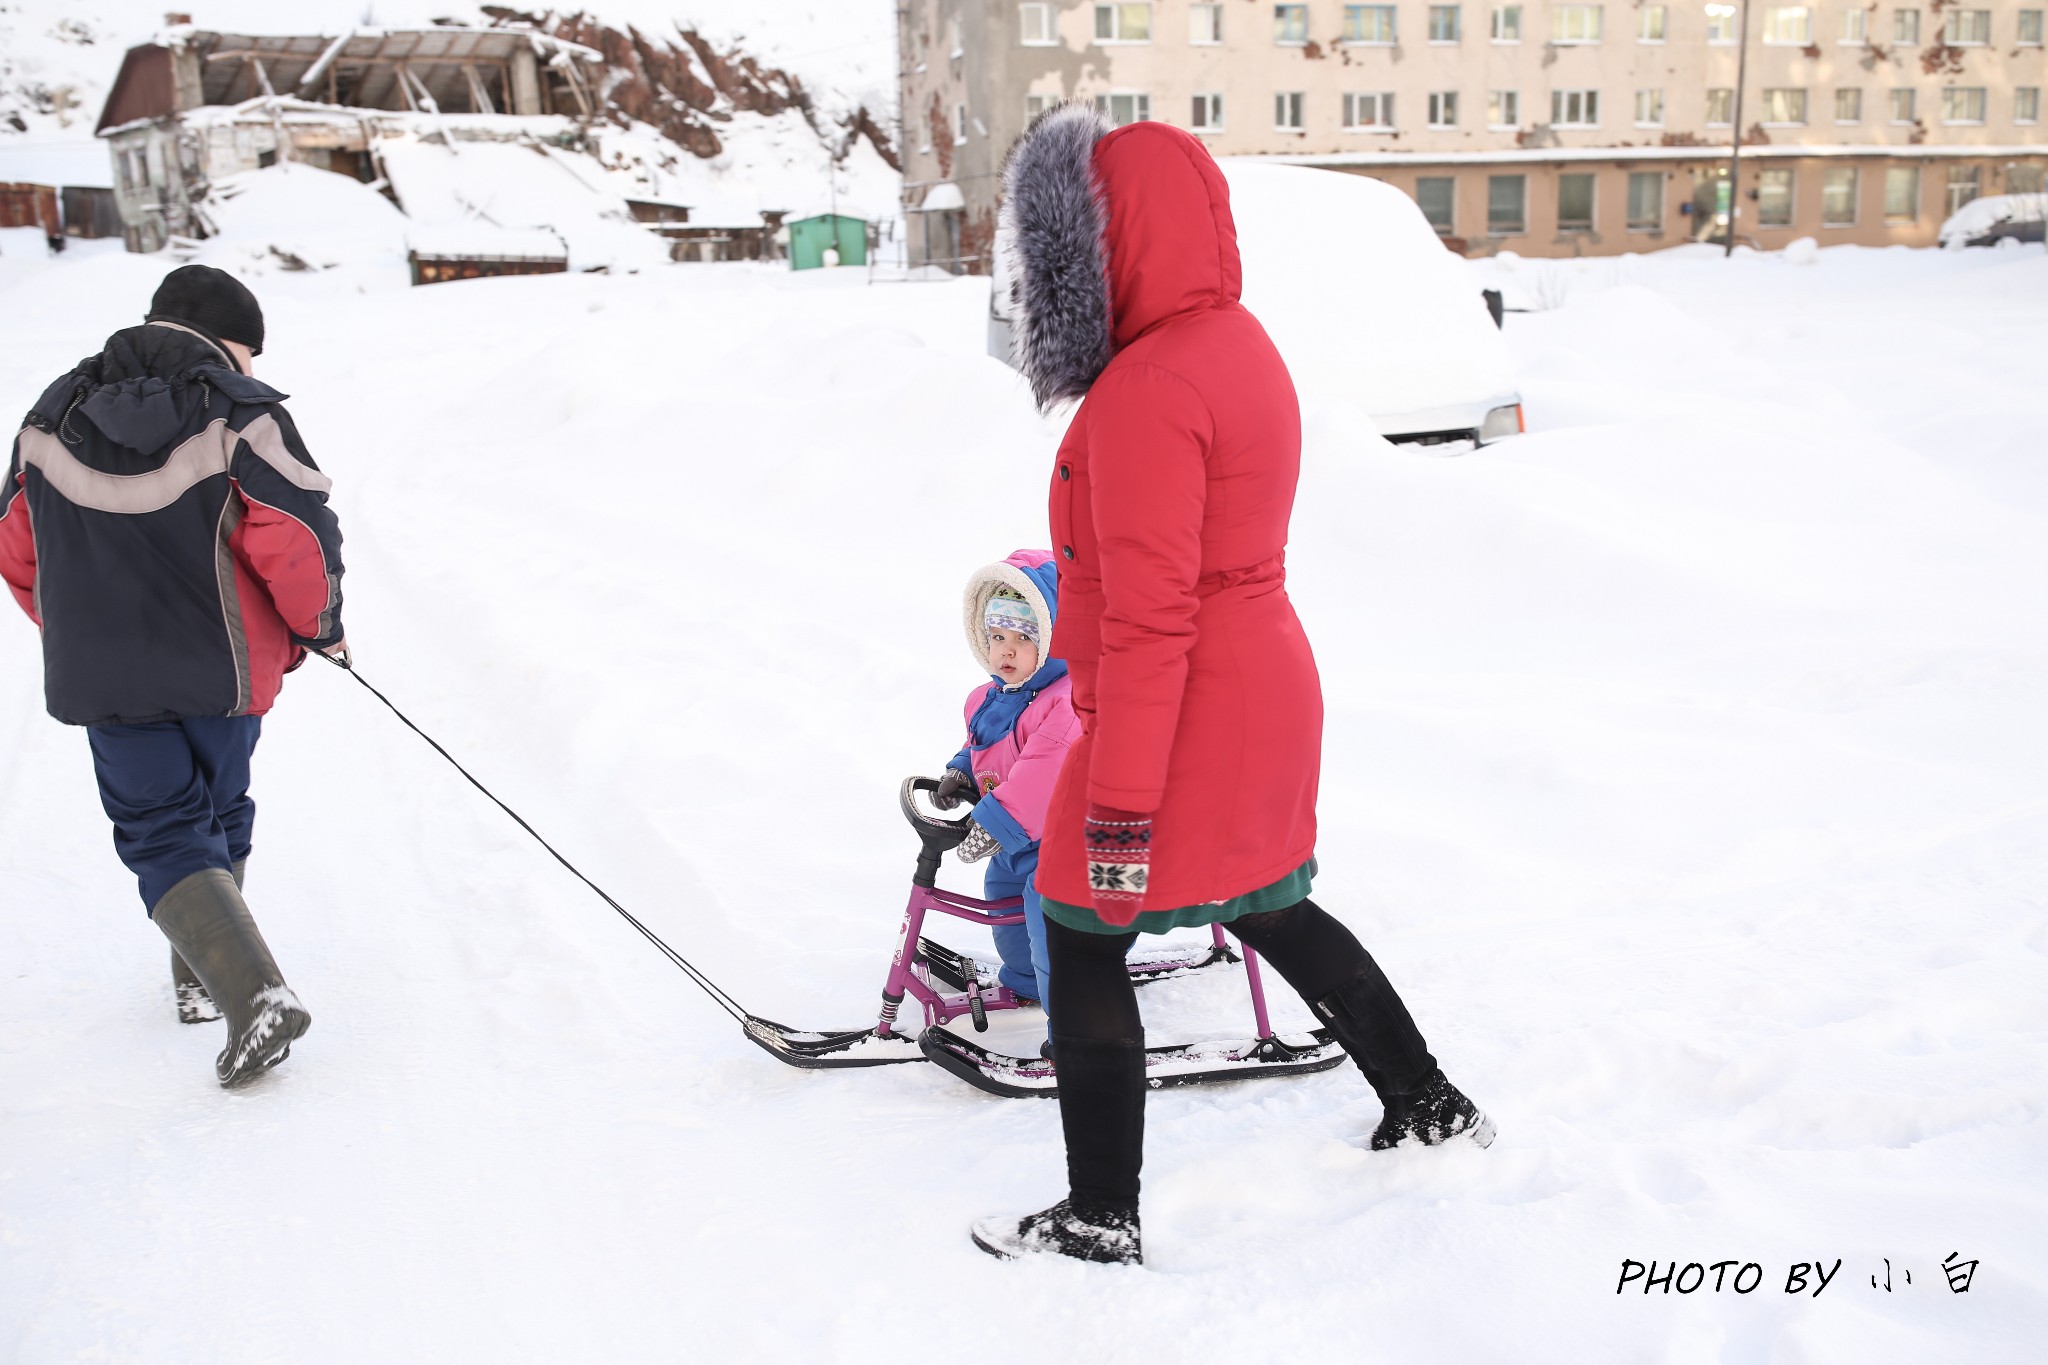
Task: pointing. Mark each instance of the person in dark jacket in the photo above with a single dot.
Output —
(1190, 798)
(164, 527)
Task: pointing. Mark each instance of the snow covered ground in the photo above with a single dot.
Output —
(1684, 766)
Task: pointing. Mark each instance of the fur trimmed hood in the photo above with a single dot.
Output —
(1110, 233)
(1034, 576)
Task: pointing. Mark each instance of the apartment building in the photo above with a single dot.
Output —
(1542, 128)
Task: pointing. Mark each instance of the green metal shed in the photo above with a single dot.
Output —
(809, 237)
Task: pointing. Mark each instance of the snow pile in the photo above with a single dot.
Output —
(294, 217)
(1979, 216)
(1683, 765)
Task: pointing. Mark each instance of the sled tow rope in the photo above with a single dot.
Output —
(689, 968)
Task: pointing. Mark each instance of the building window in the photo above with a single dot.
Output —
(1503, 109)
(1123, 23)
(1038, 26)
(1901, 194)
(2030, 28)
(1507, 24)
(2025, 179)
(1034, 105)
(1208, 114)
(1507, 201)
(1784, 107)
(1126, 106)
(1287, 111)
(1373, 24)
(1721, 20)
(1774, 198)
(1838, 196)
(1575, 24)
(1205, 25)
(1967, 27)
(1443, 108)
(1788, 26)
(1855, 28)
(1849, 106)
(1646, 201)
(1720, 107)
(2026, 104)
(1964, 184)
(1906, 27)
(1373, 110)
(1575, 202)
(1290, 25)
(1443, 24)
(1903, 106)
(1963, 104)
(959, 124)
(1435, 195)
(1575, 108)
(1649, 108)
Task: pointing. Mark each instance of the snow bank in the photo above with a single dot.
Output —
(295, 217)
(1981, 215)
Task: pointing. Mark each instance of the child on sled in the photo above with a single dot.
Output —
(1019, 727)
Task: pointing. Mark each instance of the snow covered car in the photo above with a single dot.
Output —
(1364, 302)
(1996, 219)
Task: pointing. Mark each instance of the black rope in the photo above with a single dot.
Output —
(711, 988)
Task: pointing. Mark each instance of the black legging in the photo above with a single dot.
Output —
(1098, 1038)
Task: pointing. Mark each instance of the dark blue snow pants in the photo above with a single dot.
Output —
(178, 794)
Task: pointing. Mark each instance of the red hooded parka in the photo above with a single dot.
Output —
(1193, 678)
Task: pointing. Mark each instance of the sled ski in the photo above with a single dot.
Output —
(849, 1047)
(954, 970)
(1240, 1059)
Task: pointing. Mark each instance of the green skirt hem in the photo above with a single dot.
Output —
(1289, 890)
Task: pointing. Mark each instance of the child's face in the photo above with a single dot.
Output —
(1011, 657)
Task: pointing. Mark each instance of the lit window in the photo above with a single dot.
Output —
(1123, 23)
(1905, 106)
(1507, 204)
(1838, 197)
(1443, 24)
(1287, 111)
(1371, 110)
(1205, 25)
(1848, 106)
(1774, 198)
(1575, 108)
(1901, 194)
(1443, 108)
(1721, 20)
(1785, 107)
(1650, 24)
(1435, 195)
(1906, 26)
(1507, 24)
(1575, 202)
(1575, 24)
(1120, 108)
(2026, 104)
(1720, 107)
(1372, 24)
(1503, 109)
(1855, 27)
(1964, 184)
(1038, 25)
(1963, 104)
(1646, 201)
(1967, 27)
(1788, 26)
(1208, 114)
(1290, 25)
(1649, 108)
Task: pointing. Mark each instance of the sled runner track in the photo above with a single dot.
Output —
(1241, 1059)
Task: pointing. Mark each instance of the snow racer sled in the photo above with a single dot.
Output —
(948, 985)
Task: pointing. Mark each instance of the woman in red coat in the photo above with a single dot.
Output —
(1190, 797)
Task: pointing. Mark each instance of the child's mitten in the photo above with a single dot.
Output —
(1119, 849)
(953, 789)
(978, 844)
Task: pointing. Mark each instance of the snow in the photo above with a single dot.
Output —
(1981, 215)
(1683, 766)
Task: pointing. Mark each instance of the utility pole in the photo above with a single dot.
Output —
(1735, 143)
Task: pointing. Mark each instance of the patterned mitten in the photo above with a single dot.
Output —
(978, 844)
(1119, 848)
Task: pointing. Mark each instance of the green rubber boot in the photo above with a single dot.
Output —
(208, 924)
(195, 1006)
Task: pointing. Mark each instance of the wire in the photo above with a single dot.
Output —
(710, 987)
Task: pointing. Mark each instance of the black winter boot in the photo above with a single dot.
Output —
(208, 924)
(195, 1006)
(1436, 1113)
(1102, 1234)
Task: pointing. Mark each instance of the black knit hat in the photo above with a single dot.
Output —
(210, 301)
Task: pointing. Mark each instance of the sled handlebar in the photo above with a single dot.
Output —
(938, 834)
